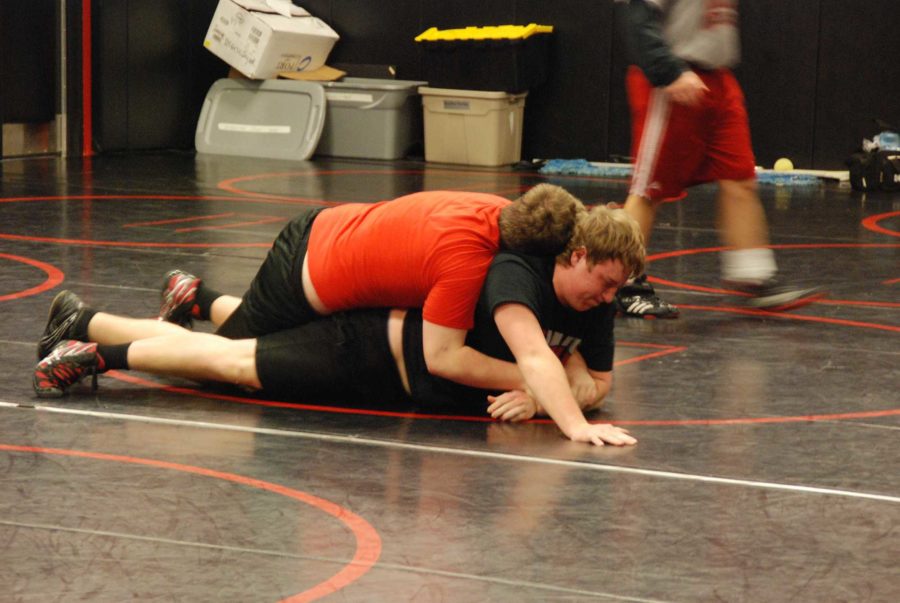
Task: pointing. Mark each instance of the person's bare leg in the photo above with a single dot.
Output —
(222, 308)
(106, 328)
(749, 264)
(741, 219)
(643, 210)
(197, 356)
(741, 222)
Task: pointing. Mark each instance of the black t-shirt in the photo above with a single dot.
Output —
(522, 279)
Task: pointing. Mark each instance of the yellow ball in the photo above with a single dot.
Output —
(784, 165)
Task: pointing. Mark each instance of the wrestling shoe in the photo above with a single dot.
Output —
(639, 300)
(64, 312)
(67, 364)
(178, 295)
(774, 295)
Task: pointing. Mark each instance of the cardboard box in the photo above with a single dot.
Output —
(322, 74)
(261, 38)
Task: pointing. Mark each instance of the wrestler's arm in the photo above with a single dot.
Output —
(546, 378)
(655, 58)
(452, 301)
(589, 387)
(651, 51)
(448, 356)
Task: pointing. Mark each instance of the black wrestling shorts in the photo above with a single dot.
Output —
(275, 299)
(346, 354)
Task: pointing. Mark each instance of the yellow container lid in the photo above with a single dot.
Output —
(499, 32)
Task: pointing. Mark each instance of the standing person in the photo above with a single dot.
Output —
(552, 317)
(690, 126)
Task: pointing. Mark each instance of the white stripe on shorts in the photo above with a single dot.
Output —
(655, 124)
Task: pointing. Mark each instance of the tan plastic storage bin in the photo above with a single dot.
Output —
(472, 127)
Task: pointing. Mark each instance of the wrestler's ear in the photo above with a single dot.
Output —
(577, 254)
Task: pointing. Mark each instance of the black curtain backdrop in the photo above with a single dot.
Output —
(816, 73)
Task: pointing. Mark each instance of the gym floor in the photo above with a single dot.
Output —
(766, 469)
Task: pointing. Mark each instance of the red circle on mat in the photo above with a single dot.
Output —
(872, 223)
(133, 244)
(368, 542)
(54, 277)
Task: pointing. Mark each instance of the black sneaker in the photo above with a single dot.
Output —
(67, 364)
(178, 295)
(774, 295)
(64, 312)
(638, 300)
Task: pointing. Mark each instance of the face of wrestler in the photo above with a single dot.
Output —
(581, 285)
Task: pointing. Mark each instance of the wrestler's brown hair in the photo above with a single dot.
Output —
(541, 221)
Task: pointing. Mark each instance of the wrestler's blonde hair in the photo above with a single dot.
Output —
(608, 234)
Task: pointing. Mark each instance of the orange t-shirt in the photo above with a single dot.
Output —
(428, 250)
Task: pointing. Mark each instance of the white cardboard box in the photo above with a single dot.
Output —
(261, 38)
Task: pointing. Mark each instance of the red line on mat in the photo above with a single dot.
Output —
(368, 542)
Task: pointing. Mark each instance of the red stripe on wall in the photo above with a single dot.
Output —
(87, 139)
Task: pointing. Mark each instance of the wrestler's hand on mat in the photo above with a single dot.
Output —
(600, 434)
(513, 406)
(688, 89)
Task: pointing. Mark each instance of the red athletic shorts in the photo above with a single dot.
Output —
(676, 146)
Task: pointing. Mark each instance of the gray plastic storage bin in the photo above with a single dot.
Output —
(276, 119)
(371, 118)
